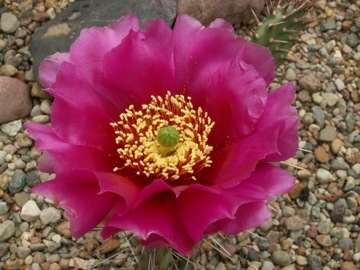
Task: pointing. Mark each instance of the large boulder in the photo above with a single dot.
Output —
(58, 34)
(234, 11)
(15, 101)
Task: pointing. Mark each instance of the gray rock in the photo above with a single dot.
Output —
(253, 255)
(234, 11)
(23, 252)
(9, 23)
(281, 258)
(4, 208)
(324, 226)
(357, 244)
(339, 164)
(314, 262)
(346, 243)
(37, 246)
(17, 182)
(50, 215)
(11, 128)
(339, 84)
(330, 99)
(267, 265)
(30, 211)
(4, 247)
(331, 25)
(319, 115)
(328, 134)
(57, 35)
(350, 122)
(7, 230)
(324, 176)
(15, 101)
(352, 40)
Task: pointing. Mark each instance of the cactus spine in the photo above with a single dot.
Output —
(279, 26)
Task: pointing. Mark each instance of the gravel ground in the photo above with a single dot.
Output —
(316, 226)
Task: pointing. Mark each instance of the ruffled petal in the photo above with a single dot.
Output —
(77, 157)
(272, 180)
(141, 66)
(78, 191)
(274, 138)
(223, 25)
(235, 93)
(248, 215)
(201, 206)
(89, 49)
(262, 60)
(49, 67)
(279, 113)
(154, 218)
(218, 77)
(124, 187)
(79, 116)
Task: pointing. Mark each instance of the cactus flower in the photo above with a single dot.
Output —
(168, 133)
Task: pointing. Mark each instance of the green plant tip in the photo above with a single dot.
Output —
(168, 136)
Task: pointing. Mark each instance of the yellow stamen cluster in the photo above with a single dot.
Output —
(136, 133)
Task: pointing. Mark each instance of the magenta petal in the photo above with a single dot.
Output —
(273, 180)
(279, 113)
(49, 67)
(201, 206)
(143, 67)
(78, 192)
(262, 60)
(155, 219)
(236, 93)
(223, 25)
(273, 139)
(78, 157)
(237, 161)
(120, 185)
(78, 115)
(89, 49)
(247, 216)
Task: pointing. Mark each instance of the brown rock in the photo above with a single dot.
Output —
(295, 223)
(324, 240)
(296, 191)
(36, 91)
(15, 102)
(336, 145)
(64, 229)
(90, 244)
(321, 155)
(347, 266)
(109, 245)
(347, 255)
(234, 11)
(310, 82)
(8, 70)
(15, 264)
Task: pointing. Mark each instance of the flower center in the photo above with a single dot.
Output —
(166, 138)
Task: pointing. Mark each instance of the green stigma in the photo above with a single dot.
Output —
(168, 136)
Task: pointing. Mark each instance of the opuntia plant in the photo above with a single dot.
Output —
(279, 25)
